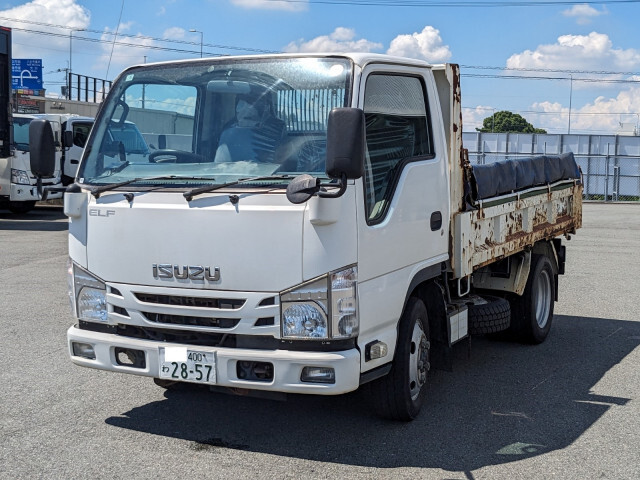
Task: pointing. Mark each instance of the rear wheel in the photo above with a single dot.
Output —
(21, 207)
(400, 394)
(532, 313)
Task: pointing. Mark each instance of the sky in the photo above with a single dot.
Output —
(584, 57)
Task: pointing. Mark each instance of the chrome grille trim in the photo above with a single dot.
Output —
(191, 301)
(165, 318)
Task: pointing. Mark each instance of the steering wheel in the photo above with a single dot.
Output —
(175, 156)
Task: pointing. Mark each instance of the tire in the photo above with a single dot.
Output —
(400, 394)
(21, 207)
(532, 313)
(491, 317)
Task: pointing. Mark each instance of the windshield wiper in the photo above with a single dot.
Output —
(96, 191)
(210, 188)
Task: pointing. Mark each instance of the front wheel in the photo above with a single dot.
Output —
(21, 207)
(400, 394)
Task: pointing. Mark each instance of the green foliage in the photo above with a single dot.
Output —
(508, 122)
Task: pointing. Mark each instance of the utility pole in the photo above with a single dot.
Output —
(69, 82)
(570, 97)
(143, 85)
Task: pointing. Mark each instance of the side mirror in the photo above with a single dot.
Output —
(302, 188)
(346, 143)
(42, 149)
(67, 139)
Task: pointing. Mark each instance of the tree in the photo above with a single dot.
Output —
(508, 122)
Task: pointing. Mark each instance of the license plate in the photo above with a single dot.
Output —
(181, 364)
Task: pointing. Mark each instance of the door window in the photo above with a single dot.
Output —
(397, 132)
(81, 133)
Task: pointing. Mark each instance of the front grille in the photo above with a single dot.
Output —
(191, 321)
(201, 302)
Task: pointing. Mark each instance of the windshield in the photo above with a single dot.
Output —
(216, 122)
(21, 133)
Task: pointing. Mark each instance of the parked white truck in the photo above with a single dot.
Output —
(19, 189)
(73, 136)
(16, 179)
(319, 228)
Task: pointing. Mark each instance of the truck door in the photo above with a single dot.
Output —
(80, 132)
(405, 229)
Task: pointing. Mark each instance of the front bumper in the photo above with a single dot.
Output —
(287, 365)
(27, 193)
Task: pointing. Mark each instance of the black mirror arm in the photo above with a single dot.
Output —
(41, 193)
(342, 184)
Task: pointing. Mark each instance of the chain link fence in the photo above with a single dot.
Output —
(610, 163)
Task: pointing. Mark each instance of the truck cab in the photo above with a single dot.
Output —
(73, 144)
(301, 224)
(18, 185)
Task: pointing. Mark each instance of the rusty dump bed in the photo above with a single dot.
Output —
(500, 226)
(532, 200)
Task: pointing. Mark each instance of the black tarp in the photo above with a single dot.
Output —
(501, 178)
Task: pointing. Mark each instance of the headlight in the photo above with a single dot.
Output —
(88, 295)
(324, 308)
(20, 177)
(304, 311)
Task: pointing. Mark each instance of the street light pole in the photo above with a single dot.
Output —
(570, 98)
(70, 58)
(193, 30)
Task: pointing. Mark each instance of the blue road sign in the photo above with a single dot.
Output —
(26, 73)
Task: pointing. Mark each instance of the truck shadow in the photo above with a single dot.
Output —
(504, 403)
(43, 219)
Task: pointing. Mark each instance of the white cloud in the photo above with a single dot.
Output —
(271, 5)
(60, 12)
(584, 13)
(123, 27)
(578, 52)
(126, 51)
(174, 33)
(603, 114)
(340, 40)
(161, 11)
(473, 117)
(426, 45)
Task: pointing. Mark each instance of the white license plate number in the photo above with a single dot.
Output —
(184, 365)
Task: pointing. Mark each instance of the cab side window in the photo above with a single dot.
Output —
(397, 132)
(80, 134)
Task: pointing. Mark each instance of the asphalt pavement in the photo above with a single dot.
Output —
(566, 409)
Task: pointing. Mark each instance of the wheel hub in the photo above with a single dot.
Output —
(418, 360)
(542, 298)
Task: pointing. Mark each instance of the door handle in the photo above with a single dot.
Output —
(436, 221)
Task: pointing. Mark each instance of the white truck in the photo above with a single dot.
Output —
(304, 224)
(20, 189)
(16, 179)
(73, 136)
